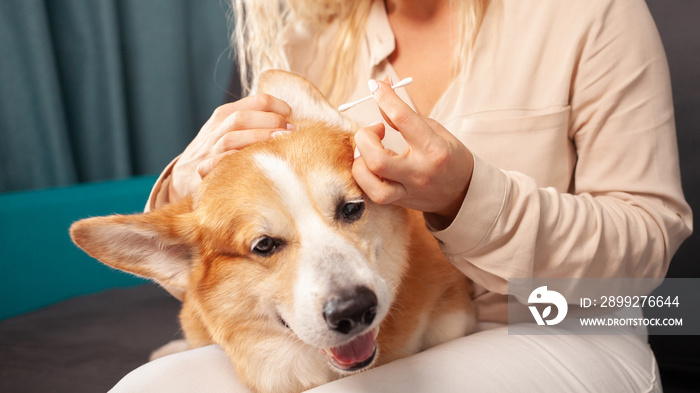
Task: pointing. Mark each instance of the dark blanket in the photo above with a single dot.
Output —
(85, 344)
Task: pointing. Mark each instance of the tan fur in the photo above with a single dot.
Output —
(236, 298)
(431, 287)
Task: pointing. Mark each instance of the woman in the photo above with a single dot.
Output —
(538, 138)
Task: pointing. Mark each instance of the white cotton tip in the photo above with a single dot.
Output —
(401, 83)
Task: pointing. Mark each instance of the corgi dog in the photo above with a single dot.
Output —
(286, 265)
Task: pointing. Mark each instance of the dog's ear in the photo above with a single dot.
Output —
(152, 245)
(307, 102)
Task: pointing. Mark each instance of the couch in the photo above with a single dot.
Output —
(67, 322)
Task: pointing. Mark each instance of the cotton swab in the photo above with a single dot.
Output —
(401, 83)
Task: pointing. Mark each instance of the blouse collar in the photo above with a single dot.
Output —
(380, 37)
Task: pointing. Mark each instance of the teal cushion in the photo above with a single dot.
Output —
(39, 265)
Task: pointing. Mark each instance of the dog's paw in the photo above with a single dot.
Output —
(170, 348)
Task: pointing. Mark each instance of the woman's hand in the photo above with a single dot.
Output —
(231, 127)
(432, 175)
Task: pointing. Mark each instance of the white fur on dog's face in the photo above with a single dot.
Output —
(278, 191)
(327, 261)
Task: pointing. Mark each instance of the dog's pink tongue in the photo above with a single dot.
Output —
(356, 351)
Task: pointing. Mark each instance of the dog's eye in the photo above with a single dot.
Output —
(352, 211)
(265, 245)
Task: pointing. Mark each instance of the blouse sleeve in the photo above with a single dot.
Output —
(626, 214)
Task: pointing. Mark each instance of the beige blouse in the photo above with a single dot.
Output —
(567, 108)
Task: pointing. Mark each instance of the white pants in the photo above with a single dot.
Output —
(487, 361)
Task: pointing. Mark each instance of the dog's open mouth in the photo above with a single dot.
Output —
(354, 355)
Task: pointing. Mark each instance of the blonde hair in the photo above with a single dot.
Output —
(260, 28)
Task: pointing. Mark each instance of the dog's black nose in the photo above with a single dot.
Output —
(351, 310)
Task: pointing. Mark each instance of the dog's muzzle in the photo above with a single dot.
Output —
(351, 312)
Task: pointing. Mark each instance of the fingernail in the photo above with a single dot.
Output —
(374, 124)
(373, 85)
(291, 127)
(357, 153)
(278, 133)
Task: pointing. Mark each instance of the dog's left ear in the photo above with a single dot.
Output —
(307, 102)
(152, 245)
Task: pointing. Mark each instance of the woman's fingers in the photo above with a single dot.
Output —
(382, 162)
(258, 102)
(254, 112)
(432, 175)
(232, 142)
(231, 127)
(378, 189)
(249, 120)
(237, 140)
(208, 165)
(399, 115)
